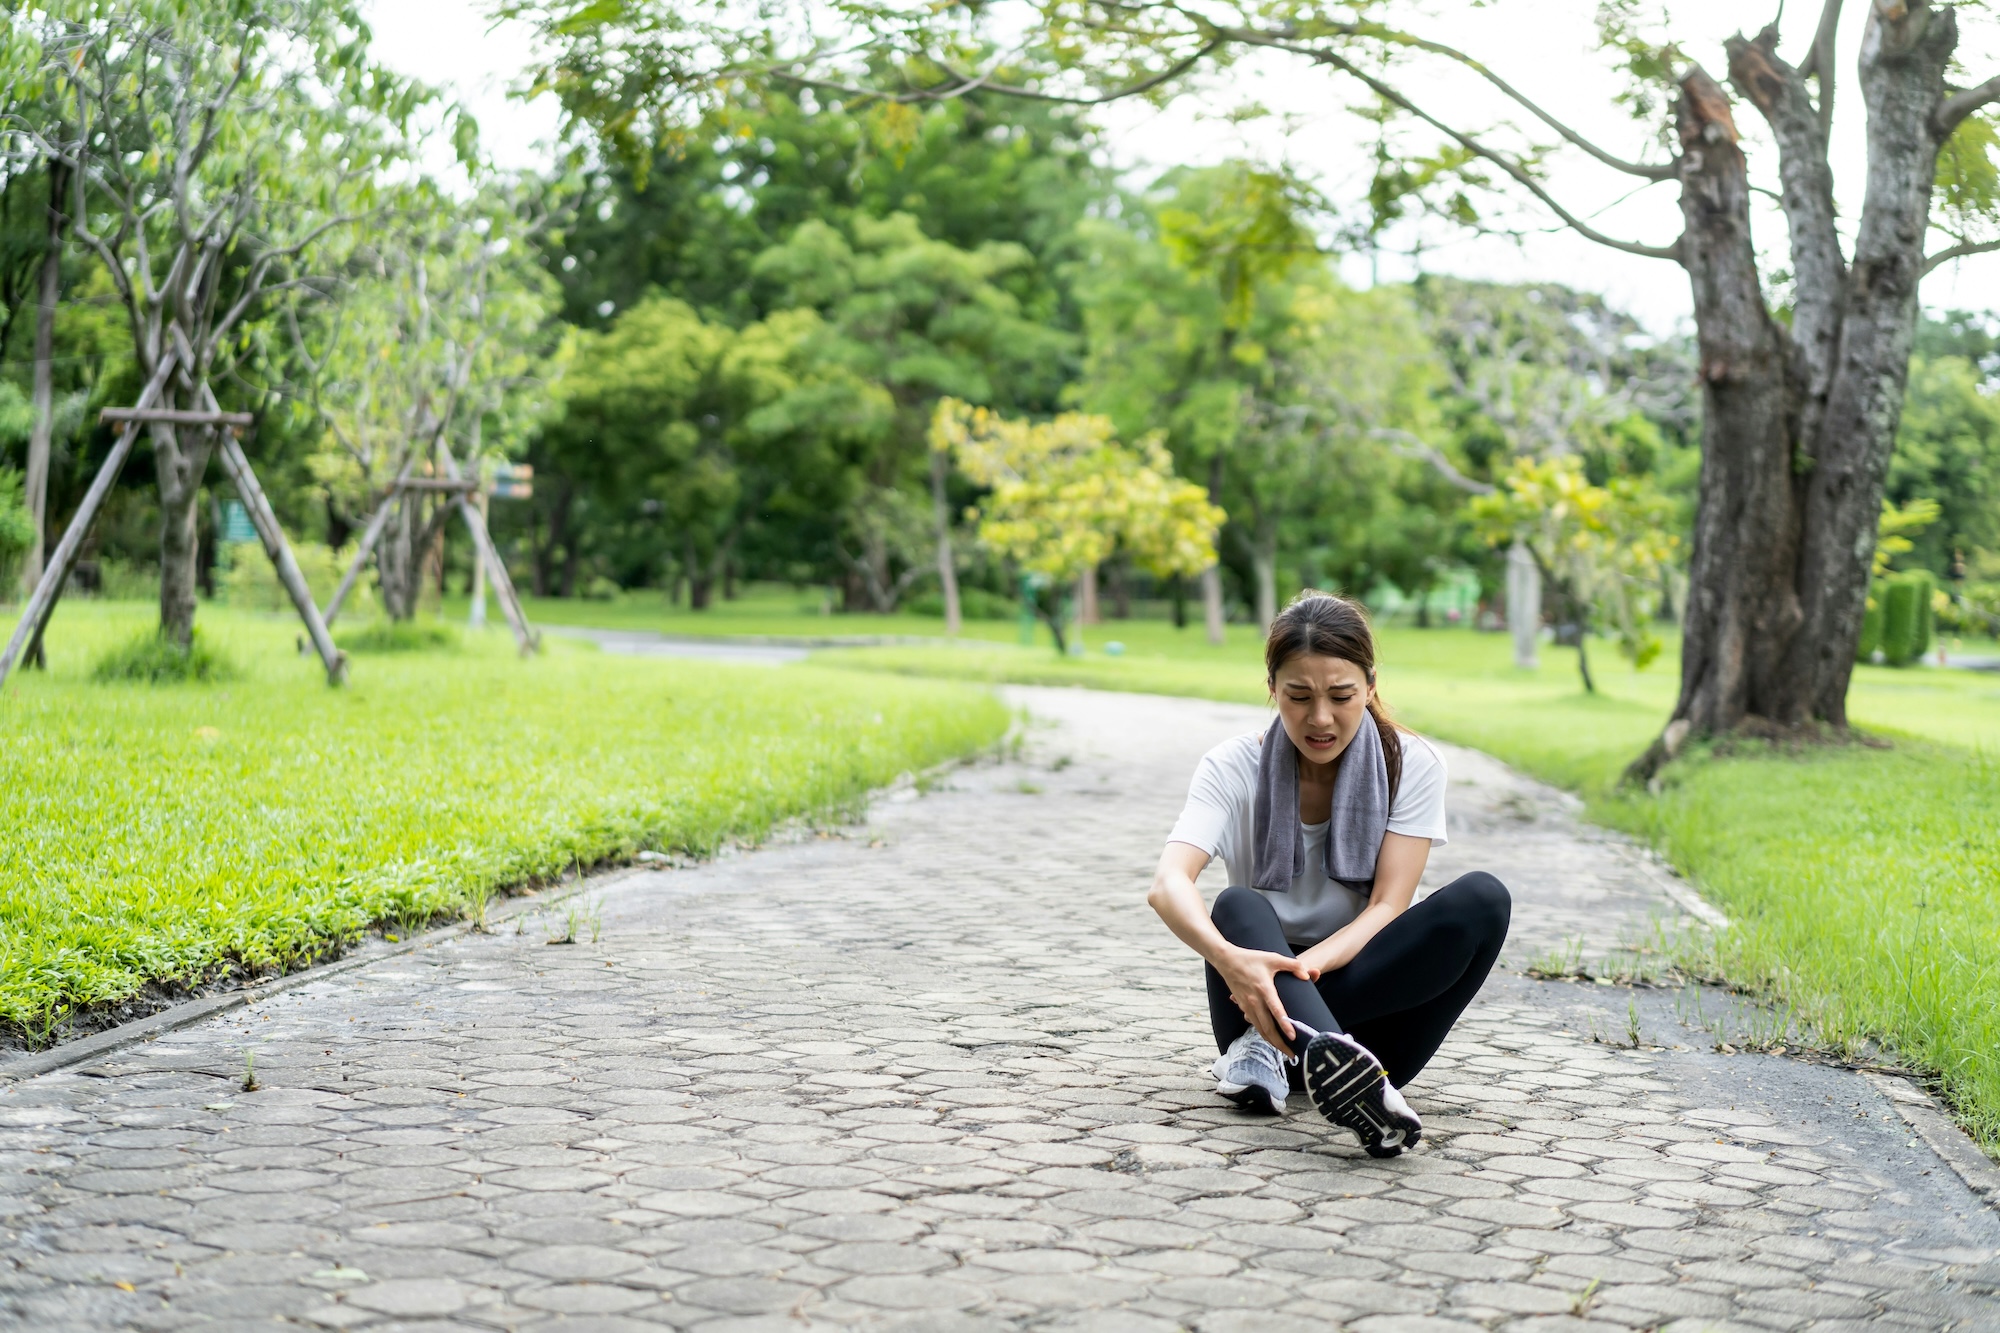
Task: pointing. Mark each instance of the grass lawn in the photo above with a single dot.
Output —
(158, 833)
(1864, 883)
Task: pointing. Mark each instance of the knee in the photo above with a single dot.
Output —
(1484, 900)
(1238, 910)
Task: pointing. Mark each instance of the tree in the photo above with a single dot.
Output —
(441, 337)
(1065, 494)
(1799, 413)
(925, 320)
(1948, 453)
(687, 429)
(1599, 548)
(208, 151)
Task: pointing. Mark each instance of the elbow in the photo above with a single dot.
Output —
(1160, 895)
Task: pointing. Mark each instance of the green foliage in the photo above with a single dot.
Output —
(1600, 549)
(1968, 178)
(17, 529)
(400, 636)
(1948, 444)
(1906, 616)
(249, 582)
(1870, 641)
(161, 835)
(152, 658)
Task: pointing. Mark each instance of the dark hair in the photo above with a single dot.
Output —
(1323, 625)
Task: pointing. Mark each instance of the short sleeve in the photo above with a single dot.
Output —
(1209, 815)
(1419, 808)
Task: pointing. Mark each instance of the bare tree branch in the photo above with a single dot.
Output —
(1955, 108)
(1819, 62)
(1506, 163)
(1410, 446)
(984, 82)
(1959, 251)
(1655, 171)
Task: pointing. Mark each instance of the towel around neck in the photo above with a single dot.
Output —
(1354, 831)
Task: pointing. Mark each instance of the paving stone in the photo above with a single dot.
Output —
(883, 1080)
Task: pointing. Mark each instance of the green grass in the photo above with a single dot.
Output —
(149, 657)
(160, 833)
(399, 636)
(1861, 881)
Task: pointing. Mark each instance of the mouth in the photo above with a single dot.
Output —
(1326, 742)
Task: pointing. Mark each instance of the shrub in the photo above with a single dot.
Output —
(973, 604)
(251, 581)
(1871, 625)
(405, 636)
(17, 530)
(1906, 617)
(154, 659)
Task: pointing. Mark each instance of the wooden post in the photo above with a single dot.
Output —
(482, 540)
(477, 617)
(265, 520)
(503, 584)
(42, 602)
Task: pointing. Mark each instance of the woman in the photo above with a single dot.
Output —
(1321, 975)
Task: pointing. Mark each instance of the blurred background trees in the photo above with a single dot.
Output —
(723, 350)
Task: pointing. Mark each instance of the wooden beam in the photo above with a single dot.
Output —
(265, 520)
(42, 602)
(175, 416)
(450, 484)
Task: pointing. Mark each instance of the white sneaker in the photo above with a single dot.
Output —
(1251, 1073)
(1346, 1083)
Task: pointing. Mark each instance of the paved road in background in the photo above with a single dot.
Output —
(946, 1073)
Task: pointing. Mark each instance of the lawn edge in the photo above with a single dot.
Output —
(185, 1013)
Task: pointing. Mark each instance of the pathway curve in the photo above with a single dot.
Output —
(945, 1074)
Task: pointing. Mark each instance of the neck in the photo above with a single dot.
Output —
(1316, 773)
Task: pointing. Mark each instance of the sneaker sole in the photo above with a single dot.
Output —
(1250, 1097)
(1345, 1083)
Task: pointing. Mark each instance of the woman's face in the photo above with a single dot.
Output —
(1322, 702)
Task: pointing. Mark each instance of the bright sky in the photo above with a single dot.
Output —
(1551, 58)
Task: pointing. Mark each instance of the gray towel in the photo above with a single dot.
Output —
(1354, 833)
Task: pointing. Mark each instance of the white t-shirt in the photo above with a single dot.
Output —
(1220, 818)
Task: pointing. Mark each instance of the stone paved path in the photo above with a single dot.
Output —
(944, 1074)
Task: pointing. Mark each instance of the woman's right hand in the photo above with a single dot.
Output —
(1250, 974)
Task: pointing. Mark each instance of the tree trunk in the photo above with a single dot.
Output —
(396, 561)
(1086, 598)
(1264, 563)
(476, 617)
(1211, 602)
(1903, 65)
(1211, 578)
(41, 433)
(697, 577)
(1798, 426)
(1524, 605)
(179, 472)
(947, 565)
(1121, 591)
(1179, 593)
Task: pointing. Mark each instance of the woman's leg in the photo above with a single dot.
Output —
(1248, 921)
(1404, 990)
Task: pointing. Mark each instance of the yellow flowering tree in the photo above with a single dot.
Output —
(1601, 549)
(1065, 495)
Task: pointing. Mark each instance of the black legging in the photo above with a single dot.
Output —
(1403, 991)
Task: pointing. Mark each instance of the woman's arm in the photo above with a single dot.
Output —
(1397, 870)
(1248, 971)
